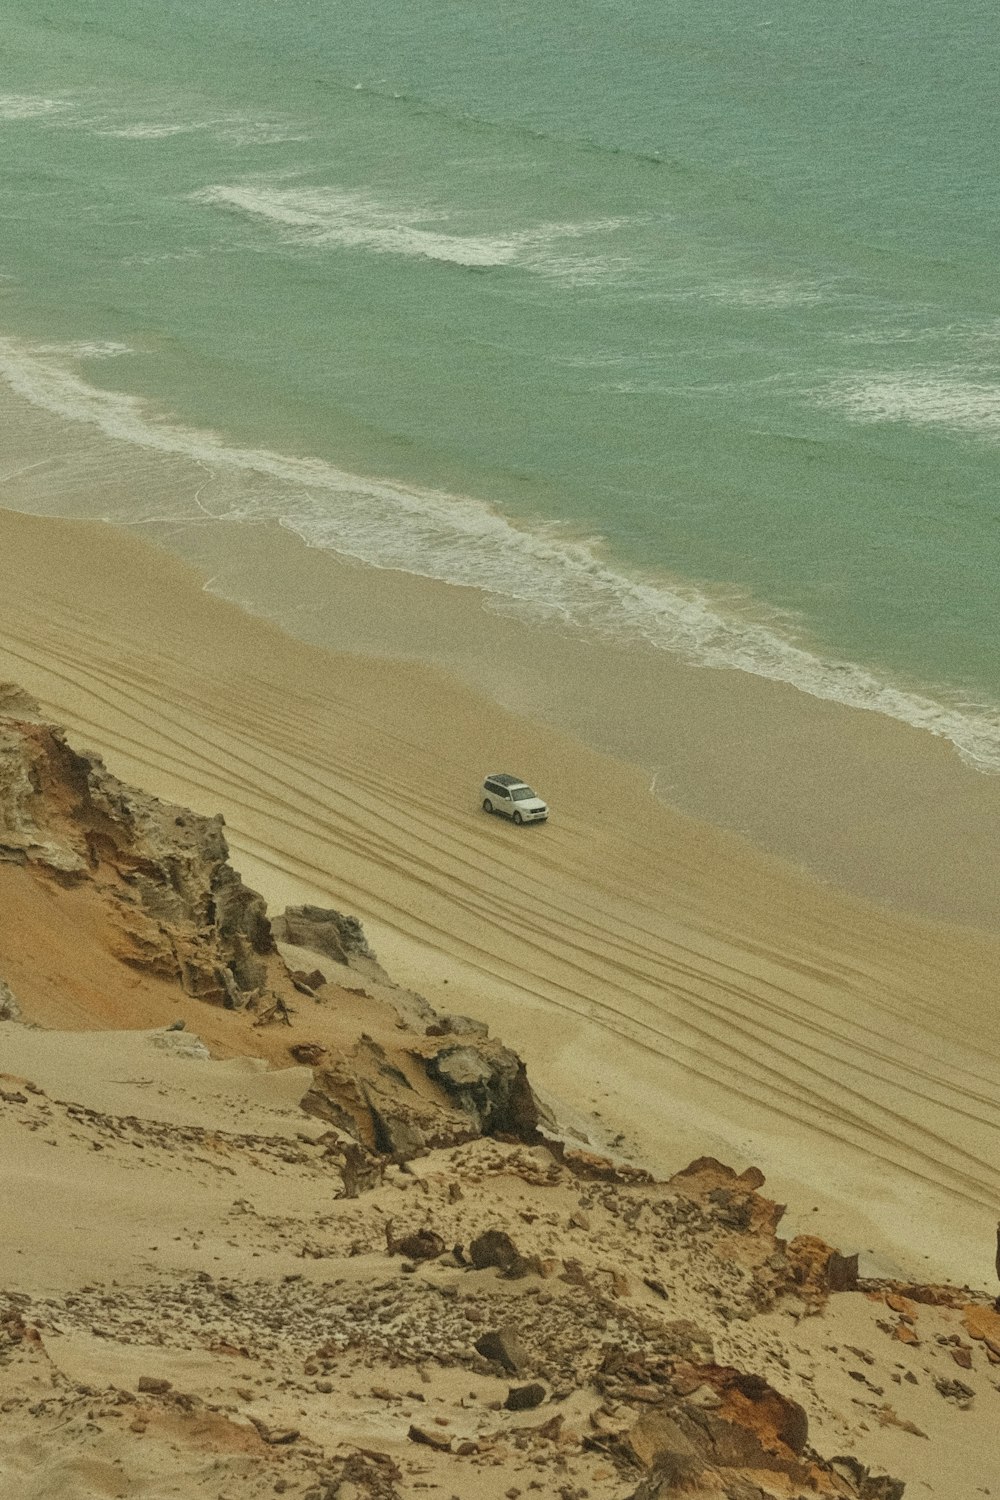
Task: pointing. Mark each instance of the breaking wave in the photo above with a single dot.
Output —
(328, 216)
(462, 541)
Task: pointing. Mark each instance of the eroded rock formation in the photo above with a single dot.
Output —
(9, 1008)
(175, 904)
(323, 931)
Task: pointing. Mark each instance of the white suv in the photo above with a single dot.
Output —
(514, 798)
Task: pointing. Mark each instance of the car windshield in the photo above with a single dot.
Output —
(522, 793)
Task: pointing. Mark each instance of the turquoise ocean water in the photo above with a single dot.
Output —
(679, 320)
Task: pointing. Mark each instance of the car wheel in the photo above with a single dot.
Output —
(518, 819)
(487, 805)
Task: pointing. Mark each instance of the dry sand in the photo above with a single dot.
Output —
(702, 996)
(191, 1288)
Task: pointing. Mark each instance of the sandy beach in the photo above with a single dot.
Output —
(665, 981)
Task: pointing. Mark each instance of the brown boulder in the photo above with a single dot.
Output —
(983, 1323)
(525, 1397)
(752, 1426)
(488, 1083)
(431, 1437)
(705, 1173)
(324, 931)
(734, 1195)
(494, 1247)
(817, 1269)
(504, 1346)
(423, 1245)
(309, 1054)
(657, 1436)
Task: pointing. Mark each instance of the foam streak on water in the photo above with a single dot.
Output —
(325, 216)
(928, 398)
(28, 106)
(461, 541)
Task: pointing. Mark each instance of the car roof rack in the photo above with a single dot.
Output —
(504, 779)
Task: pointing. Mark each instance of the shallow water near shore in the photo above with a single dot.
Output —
(459, 295)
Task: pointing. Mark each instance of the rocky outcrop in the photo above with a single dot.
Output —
(323, 931)
(9, 1008)
(366, 1094)
(734, 1197)
(818, 1270)
(172, 905)
(983, 1323)
(805, 1269)
(863, 1483)
(489, 1084)
(720, 1432)
(442, 1097)
(175, 905)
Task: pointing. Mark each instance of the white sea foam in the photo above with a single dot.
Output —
(105, 118)
(463, 541)
(578, 270)
(81, 349)
(353, 219)
(150, 132)
(244, 131)
(239, 130)
(328, 216)
(29, 106)
(928, 398)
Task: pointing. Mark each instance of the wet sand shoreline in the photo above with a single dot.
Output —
(864, 802)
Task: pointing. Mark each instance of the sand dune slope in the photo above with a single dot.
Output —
(213, 1318)
(700, 996)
